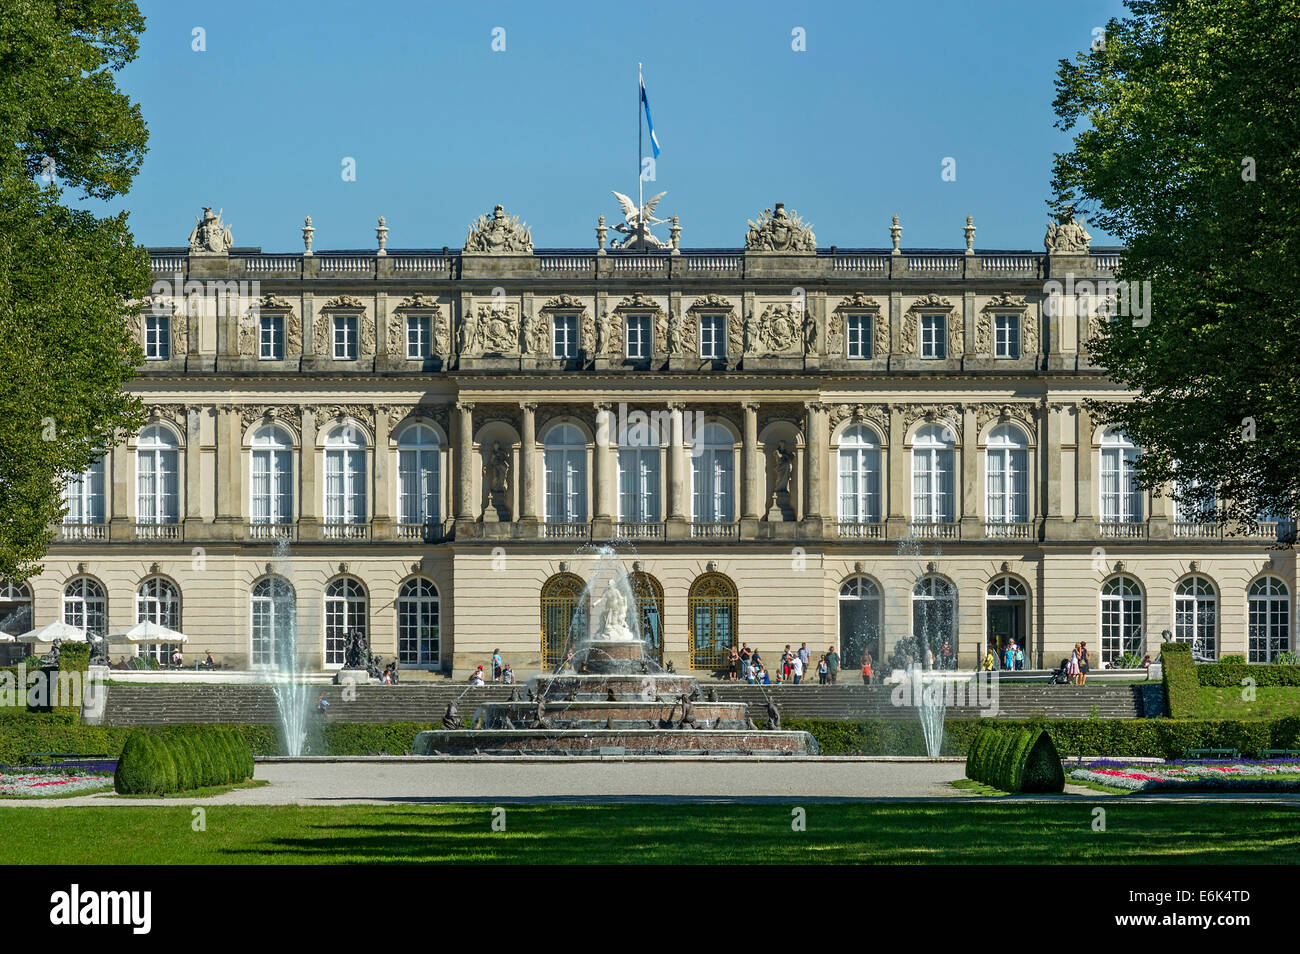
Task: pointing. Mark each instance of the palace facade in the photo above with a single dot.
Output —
(787, 444)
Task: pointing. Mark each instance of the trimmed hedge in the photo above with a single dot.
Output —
(1180, 679)
(161, 761)
(1015, 759)
(1229, 674)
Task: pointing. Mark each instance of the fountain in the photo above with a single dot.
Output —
(921, 654)
(611, 698)
(287, 680)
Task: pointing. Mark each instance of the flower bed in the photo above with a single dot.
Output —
(43, 784)
(1183, 775)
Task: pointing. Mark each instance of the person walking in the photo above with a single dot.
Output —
(832, 663)
(796, 667)
(866, 669)
(496, 665)
(1085, 663)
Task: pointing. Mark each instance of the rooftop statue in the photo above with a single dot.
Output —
(1067, 235)
(499, 234)
(636, 224)
(779, 231)
(210, 234)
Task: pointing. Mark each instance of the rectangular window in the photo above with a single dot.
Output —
(565, 336)
(1121, 498)
(417, 337)
(345, 338)
(638, 336)
(271, 338)
(934, 336)
(1006, 336)
(157, 337)
(638, 485)
(713, 337)
(858, 332)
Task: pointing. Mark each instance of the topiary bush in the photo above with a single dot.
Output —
(163, 761)
(1180, 679)
(1041, 770)
(1015, 758)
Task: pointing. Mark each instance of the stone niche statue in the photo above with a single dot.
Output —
(1067, 236)
(498, 484)
(783, 460)
(779, 231)
(210, 234)
(499, 234)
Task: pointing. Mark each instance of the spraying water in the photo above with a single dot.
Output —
(288, 682)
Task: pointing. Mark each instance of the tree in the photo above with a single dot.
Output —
(1189, 151)
(67, 278)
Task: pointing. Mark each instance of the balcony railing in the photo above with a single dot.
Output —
(1122, 529)
(429, 532)
(934, 531)
(345, 531)
(859, 530)
(272, 531)
(83, 531)
(995, 530)
(703, 530)
(346, 265)
(566, 531)
(1197, 529)
(634, 530)
(575, 265)
(158, 531)
(168, 264)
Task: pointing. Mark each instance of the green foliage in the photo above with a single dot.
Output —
(1287, 659)
(1180, 679)
(74, 657)
(1187, 147)
(160, 761)
(66, 277)
(1230, 674)
(1015, 758)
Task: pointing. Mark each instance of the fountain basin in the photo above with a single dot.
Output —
(627, 686)
(563, 714)
(559, 742)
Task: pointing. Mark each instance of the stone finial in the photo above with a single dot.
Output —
(381, 233)
(675, 236)
(896, 236)
(307, 232)
(970, 234)
(602, 231)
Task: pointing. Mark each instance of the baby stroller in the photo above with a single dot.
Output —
(1061, 677)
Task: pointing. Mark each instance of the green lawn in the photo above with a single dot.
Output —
(1271, 702)
(974, 831)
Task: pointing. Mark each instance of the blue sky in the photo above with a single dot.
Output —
(441, 127)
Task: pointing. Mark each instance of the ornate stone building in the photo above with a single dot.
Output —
(791, 443)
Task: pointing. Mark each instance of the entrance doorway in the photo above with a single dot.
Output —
(1005, 613)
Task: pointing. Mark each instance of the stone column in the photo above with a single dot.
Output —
(193, 471)
(465, 509)
(751, 506)
(230, 491)
(1049, 501)
(528, 470)
(604, 475)
(816, 449)
(970, 483)
(899, 504)
(676, 525)
(309, 462)
(308, 326)
(382, 512)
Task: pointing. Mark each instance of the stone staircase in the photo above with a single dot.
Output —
(425, 703)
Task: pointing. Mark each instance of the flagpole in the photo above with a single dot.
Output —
(640, 185)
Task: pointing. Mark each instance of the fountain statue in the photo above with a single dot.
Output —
(611, 616)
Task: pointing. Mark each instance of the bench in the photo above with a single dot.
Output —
(1212, 754)
(1280, 754)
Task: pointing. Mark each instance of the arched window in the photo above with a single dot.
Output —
(1121, 618)
(418, 642)
(15, 608)
(565, 460)
(1268, 604)
(649, 595)
(157, 469)
(713, 476)
(1006, 475)
(158, 601)
(419, 475)
(859, 478)
(561, 597)
(274, 623)
(859, 622)
(1196, 616)
(711, 613)
(933, 493)
(83, 495)
(85, 606)
(1121, 498)
(345, 613)
(271, 476)
(934, 623)
(345, 475)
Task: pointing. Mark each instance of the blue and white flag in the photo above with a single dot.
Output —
(654, 141)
